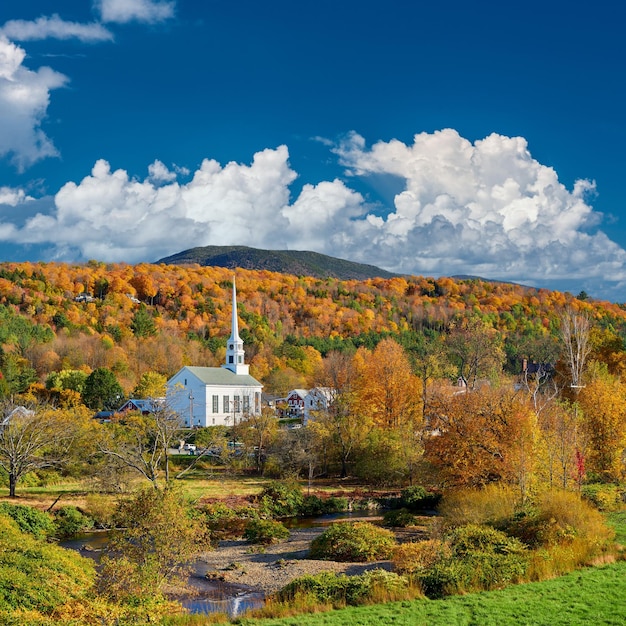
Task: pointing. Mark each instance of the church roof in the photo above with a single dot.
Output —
(222, 376)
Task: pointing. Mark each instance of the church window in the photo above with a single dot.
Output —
(216, 404)
(226, 404)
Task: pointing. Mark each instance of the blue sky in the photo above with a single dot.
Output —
(479, 138)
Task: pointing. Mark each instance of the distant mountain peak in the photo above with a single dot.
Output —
(297, 262)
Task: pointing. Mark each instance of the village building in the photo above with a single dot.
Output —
(318, 399)
(217, 396)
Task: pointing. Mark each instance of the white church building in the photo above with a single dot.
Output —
(217, 396)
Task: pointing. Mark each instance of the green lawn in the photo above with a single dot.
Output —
(595, 596)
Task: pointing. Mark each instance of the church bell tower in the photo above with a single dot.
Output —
(234, 348)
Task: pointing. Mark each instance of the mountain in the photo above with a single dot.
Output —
(299, 263)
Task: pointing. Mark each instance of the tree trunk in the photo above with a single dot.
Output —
(12, 484)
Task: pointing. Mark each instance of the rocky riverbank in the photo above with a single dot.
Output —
(268, 568)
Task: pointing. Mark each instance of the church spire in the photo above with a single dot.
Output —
(234, 348)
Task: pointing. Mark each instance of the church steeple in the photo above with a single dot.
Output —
(234, 348)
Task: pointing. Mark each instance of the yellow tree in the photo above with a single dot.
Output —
(603, 404)
(341, 427)
(391, 396)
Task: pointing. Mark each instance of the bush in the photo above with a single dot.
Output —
(225, 522)
(492, 504)
(479, 558)
(314, 505)
(604, 497)
(399, 518)
(29, 520)
(353, 542)
(265, 531)
(413, 557)
(340, 590)
(281, 499)
(39, 576)
(69, 521)
(559, 517)
(416, 498)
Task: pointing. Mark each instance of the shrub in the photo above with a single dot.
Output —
(39, 576)
(225, 522)
(281, 499)
(489, 505)
(399, 518)
(479, 558)
(603, 497)
(409, 558)
(314, 505)
(340, 590)
(28, 519)
(353, 542)
(416, 498)
(265, 531)
(69, 521)
(560, 517)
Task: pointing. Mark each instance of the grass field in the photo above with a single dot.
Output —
(593, 596)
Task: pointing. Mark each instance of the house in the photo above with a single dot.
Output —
(318, 399)
(217, 396)
(145, 407)
(295, 402)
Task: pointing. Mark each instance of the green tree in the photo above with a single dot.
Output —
(102, 390)
(142, 323)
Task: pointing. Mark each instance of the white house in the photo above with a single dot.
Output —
(318, 399)
(214, 396)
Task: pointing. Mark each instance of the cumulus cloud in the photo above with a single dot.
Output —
(485, 208)
(13, 197)
(56, 28)
(123, 11)
(24, 99)
(111, 216)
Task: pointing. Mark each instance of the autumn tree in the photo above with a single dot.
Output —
(561, 439)
(340, 425)
(476, 349)
(388, 391)
(36, 437)
(141, 442)
(257, 432)
(150, 385)
(476, 437)
(156, 540)
(603, 404)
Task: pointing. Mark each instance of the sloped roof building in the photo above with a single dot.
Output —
(214, 396)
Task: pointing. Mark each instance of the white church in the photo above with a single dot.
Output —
(217, 396)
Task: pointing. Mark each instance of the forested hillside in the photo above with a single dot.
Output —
(134, 319)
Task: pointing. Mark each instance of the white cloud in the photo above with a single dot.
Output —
(13, 197)
(486, 208)
(24, 99)
(123, 11)
(54, 27)
(160, 173)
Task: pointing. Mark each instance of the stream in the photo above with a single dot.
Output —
(215, 596)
